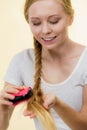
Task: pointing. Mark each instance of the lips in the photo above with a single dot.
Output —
(48, 38)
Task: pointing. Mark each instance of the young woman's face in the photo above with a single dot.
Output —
(48, 22)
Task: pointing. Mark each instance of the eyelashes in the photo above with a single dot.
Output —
(54, 22)
(39, 23)
(36, 24)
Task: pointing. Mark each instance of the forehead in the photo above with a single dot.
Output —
(45, 7)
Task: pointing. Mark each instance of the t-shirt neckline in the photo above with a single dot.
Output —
(70, 76)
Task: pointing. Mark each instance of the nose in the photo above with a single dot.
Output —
(46, 29)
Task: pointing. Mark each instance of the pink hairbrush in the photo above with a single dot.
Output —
(22, 95)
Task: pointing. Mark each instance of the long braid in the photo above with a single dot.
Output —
(38, 66)
(36, 102)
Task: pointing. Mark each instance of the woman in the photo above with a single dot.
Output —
(60, 72)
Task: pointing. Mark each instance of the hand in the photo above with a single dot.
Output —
(6, 94)
(49, 101)
(31, 114)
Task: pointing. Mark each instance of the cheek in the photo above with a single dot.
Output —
(36, 33)
(35, 30)
(61, 27)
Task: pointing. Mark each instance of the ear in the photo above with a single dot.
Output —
(71, 18)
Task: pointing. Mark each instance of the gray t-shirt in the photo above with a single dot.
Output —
(21, 72)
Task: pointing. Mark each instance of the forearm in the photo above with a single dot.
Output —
(4, 122)
(5, 115)
(75, 120)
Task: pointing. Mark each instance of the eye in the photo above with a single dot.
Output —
(36, 23)
(53, 22)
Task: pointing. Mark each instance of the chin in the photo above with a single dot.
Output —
(50, 47)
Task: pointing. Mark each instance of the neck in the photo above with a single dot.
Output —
(58, 52)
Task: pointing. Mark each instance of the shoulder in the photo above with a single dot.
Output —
(83, 61)
(84, 56)
(21, 68)
(23, 56)
(26, 53)
(83, 67)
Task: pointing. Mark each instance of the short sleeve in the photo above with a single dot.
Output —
(85, 80)
(13, 74)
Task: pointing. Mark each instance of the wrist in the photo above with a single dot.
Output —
(57, 102)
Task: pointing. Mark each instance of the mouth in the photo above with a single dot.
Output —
(48, 38)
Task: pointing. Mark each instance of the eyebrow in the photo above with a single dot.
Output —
(34, 18)
(55, 15)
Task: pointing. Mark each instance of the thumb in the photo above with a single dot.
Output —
(45, 105)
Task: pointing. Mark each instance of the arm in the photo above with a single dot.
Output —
(75, 120)
(6, 107)
(5, 115)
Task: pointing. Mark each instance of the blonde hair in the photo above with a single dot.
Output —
(36, 102)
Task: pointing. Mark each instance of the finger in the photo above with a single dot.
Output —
(7, 96)
(4, 99)
(32, 115)
(5, 102)
(10, 90)
(13, 89)
(45, 106)
(28, 113)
